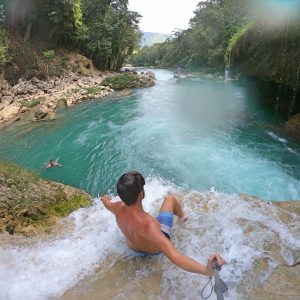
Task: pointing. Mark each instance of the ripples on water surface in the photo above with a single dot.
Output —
(191, 135)
(198, 134)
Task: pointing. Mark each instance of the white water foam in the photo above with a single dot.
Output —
(236, 228)
(276, 137)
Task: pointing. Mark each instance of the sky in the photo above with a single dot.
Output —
(164, 15)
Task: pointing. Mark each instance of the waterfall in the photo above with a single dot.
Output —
(227, 70)
(227, 73)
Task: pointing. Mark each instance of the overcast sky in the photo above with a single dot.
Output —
(164, 15)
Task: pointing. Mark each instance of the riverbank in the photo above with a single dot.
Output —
(39, 99)
(31, 206)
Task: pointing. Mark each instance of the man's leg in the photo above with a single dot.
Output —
(169, 208)
(172, 205)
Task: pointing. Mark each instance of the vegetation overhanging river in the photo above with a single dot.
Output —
(205, 140)
(195, 133)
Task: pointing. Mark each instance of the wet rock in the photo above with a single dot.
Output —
(125, 93)
(62, 102)
(293, 124)
(41, 113)
(24, 109)
(51, 105)
(51, 116)
(20, 216)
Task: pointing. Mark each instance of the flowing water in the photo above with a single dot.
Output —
(204, 140)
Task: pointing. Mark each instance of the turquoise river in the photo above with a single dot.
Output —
(204, 140)
(198, 134)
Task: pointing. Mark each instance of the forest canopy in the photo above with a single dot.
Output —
(204, 44)
(104, 30)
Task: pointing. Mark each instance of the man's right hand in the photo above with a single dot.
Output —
(105, 198)
(215, 257)
(111, 206)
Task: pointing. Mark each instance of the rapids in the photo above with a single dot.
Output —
(90, 260)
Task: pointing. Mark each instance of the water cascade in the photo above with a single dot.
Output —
(227, 69)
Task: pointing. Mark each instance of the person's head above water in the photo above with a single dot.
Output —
(129, 186)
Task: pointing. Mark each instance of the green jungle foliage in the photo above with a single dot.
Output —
(104, 30)
(4, 42)
(204, 44)
(122, 81)
(33, 102)
(49, 54)
(236, 37)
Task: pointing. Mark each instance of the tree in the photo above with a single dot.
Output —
(4, 42)
(204, 44)
(112, 33)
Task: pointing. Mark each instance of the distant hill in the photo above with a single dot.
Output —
(150, 38)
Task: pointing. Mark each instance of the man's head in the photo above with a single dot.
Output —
(129, 187)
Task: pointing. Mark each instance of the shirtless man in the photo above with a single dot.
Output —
(147, 235)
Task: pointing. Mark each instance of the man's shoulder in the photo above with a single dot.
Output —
(151, 224)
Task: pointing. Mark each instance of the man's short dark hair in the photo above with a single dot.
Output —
(129, 186)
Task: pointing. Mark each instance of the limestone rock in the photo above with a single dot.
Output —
(9, 112)
(41, 113)
(7, 100)
(293, 124)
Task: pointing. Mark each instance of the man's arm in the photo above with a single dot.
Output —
(181, 260)
(111, 206)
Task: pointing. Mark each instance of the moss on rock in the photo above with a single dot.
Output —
(30, 205)
(122, 81)
(129, 80)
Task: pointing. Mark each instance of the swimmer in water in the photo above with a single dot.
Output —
(53, 163)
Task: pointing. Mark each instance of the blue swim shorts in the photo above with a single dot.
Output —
(165, 218)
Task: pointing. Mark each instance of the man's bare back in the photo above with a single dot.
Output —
(147, 234)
